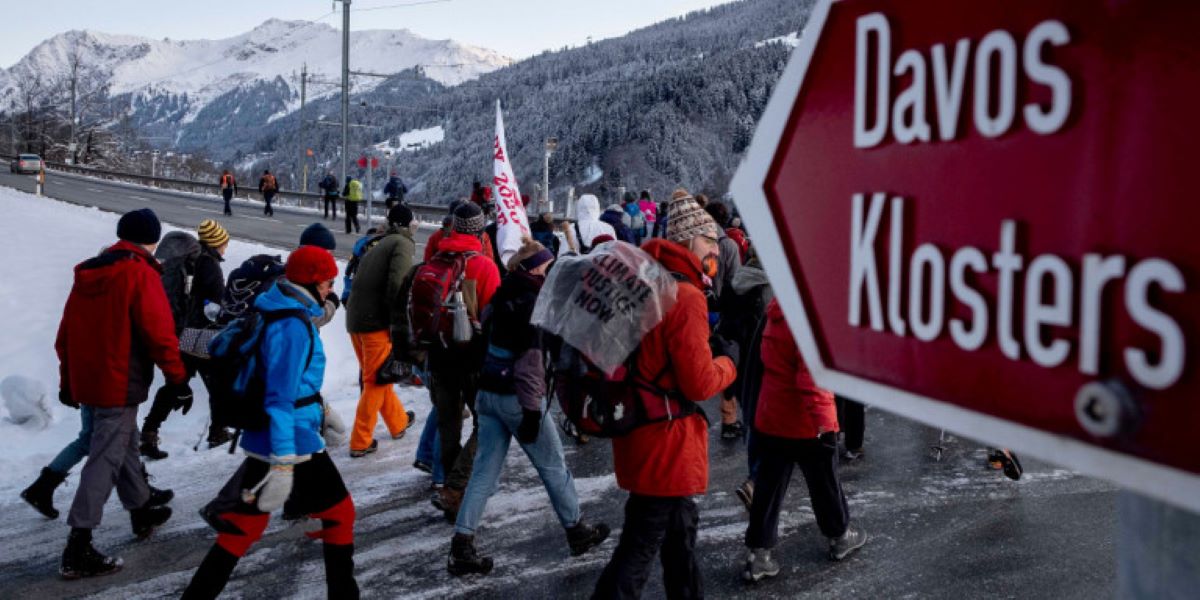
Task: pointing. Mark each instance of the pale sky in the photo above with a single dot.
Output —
(516, 28)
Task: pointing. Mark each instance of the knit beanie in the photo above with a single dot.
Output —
(318, 235)
(310, 265)
(688, 220)
(139, 226)
(211, 234)
(400, 215)
(468, 218)
(530, 256)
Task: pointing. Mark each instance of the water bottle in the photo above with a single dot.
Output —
(212, 310)
(462, 321)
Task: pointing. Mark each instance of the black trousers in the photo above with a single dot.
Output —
(852, 419)
(161, 408)
(331, 206)
(450, 392)
(227, 194)
(654, 524)
(267, 197)
(818, 462)
(351, 216)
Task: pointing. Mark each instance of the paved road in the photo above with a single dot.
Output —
(187, 210)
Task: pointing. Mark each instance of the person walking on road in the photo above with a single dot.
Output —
(796, 424)
(372, 313)
(286, 463)
(511, 402)
(394, 191)
(228, 189)
(115, 328)
(353, 193)
(268, 187)
(329, 193)
(664, 464)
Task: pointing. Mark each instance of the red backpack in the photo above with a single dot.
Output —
(434, 284)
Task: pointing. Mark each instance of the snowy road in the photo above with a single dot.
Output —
(947, 529)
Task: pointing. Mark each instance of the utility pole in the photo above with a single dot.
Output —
(304, 159)
(345, 85)
(303, 81)
(71, 141)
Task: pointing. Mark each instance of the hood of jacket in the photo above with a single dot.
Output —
(285, 295)
(92, 276)
(677, 259)
(588, 209)
(460, 242)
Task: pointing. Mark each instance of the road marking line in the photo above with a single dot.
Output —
(207, 210)
(262, 219)
(94, 190)
(142, 198)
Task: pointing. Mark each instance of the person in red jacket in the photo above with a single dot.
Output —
(115, 328)
(664, 464)
(435, 240)
(796, 424)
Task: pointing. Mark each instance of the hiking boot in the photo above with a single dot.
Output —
(147, 518)
(40, 495)
(423, 466)
(841, 547)
(745, 493)
(81, 559)
(157, 497)
(149, 446)
(219, 437)
(732, 431)
(464, 559)
(365, 451)
(450, 499)
(583, 537)
(759, 565)
(412, 420)
(1010, 464)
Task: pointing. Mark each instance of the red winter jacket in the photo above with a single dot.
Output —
(482, 274)
(116, 326)
(790, 405)
(670, 458)
(431, 247)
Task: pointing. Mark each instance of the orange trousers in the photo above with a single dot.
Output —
(373, 349)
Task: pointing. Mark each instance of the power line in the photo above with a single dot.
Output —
(401, 5)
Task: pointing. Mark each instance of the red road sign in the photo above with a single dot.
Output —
(374, 162)
(980, 216)
(362, 162)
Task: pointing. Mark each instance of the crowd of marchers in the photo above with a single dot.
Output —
(458, 320)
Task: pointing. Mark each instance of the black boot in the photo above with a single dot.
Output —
(157, 497)
(464, 559)
(584, 537)
(212, 575)
(149, 446)
(80, 559)
(147, 518)
(40, 495)
(339, 571)
(218, 436)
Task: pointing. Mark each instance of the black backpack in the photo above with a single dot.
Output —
(360, 250)
(253, 277)
(235, 381)
(177, 253)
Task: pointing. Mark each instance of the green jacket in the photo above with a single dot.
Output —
(374, 303)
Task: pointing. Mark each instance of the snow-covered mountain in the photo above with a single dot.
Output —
(170, 82)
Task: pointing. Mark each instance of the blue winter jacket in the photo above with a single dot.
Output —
(282, 356)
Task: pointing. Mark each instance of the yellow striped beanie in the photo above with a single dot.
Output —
(211, 233)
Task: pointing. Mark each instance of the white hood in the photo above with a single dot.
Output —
(590, 226)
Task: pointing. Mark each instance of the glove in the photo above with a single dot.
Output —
(531, 425)
(277, 486)
(65, 397)
(332, 298)
(180, 395)
(723, 347)
(333, 429)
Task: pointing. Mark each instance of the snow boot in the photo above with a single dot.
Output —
(583, 537)
(213, 574)
(81, 559)
(147, 518)
(841, 547)
(464, 559)
(339, 571)
(149, 446)
(40, 495)
(157, 497)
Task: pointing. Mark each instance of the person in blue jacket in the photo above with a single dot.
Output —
(286, 464)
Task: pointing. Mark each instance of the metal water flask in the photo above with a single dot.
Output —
(462, 321)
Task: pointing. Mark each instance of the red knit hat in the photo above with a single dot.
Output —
(310, 264)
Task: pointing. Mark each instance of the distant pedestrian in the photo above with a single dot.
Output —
(228, 189)
(268, 187)
(329, 193)
(116, 326)
(649, 212)
(394, 191)
(353, 193)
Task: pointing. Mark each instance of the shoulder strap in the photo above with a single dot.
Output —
(584, 248)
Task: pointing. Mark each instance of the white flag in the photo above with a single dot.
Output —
(512, 224)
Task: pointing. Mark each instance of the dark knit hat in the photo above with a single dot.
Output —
(309, 265)
(140, 226)
(400, 215)
(468, 218)
(318, 235)
(531, 255)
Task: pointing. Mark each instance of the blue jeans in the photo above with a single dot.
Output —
(429, 448)
(499, 416)
(77, 450)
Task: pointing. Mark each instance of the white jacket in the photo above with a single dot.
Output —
(587, 215)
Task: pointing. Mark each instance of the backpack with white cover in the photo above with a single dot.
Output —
(435, 300)
(598, 307)
(177, 253)
(253, 277)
